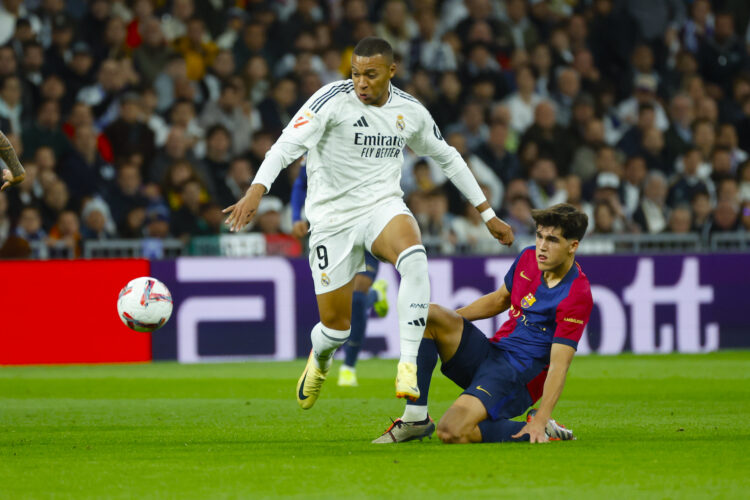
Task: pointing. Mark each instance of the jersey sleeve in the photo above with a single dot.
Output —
(299, 193)
(428, 141)
(573, 313)
(301, 134)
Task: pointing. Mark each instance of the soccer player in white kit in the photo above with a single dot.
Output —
(354, 132)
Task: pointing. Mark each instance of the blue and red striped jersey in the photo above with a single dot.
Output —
(540, 315)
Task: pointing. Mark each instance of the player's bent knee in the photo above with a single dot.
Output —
(412, 262)
(450, 433)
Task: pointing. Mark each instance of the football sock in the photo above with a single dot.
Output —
(325, 341)
(498, 431)
(413, 300)
(426, 361)
(372, 297)
(360, 308)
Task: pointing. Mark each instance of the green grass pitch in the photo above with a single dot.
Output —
(649, 427)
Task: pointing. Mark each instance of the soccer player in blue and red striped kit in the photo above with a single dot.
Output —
(550, 302)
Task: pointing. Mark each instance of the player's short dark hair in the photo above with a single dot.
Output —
(568, 218)
(372, 46)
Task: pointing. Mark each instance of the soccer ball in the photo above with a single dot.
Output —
(145, 304)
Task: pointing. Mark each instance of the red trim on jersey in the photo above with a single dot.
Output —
(573, 311)
(526, 280)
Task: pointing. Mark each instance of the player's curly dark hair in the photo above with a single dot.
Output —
(372, 46)
(569, 219)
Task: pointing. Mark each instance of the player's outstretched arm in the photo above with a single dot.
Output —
(242, 212)
(15, 173)
(561, 356)
(487, 306)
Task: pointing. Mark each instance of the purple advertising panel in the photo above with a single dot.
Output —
(263, 308)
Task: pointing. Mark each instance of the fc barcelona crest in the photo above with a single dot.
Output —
(528, 301)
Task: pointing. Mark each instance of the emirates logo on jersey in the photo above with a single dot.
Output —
(400, 124)
(528, 301)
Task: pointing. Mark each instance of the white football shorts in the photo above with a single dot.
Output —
(337, 253)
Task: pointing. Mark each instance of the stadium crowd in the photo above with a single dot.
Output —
(144, 118)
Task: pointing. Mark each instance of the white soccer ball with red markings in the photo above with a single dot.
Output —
(145, 304)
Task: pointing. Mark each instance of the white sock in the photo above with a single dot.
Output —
(413, 300)
(325, 341)
(415, 413)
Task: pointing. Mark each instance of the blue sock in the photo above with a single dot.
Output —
(426, 360)
(360, 308)
(372, 297)
(498, 431)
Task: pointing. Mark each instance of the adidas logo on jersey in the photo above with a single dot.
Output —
(361, 122)
(417, 322)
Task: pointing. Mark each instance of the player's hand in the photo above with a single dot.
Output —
(501, 231)
(10, 180)
(300, 229)
(534, 430)
(242, 212)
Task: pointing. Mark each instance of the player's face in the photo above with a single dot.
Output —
(552, 249)
(371, 76)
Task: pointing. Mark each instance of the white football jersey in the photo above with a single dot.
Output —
(355, 151)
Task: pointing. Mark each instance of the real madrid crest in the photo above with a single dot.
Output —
(400, 124)
(325, 280)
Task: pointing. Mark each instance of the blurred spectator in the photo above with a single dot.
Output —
(428, 50)
(604, 219)
(268, 223)
(46, 131)
(632, 140)
(102, 96)
(518, 216)
(186, 221)
(156, 221)
(727, 138)
(550, 138)
(56, 200)
(568, 88)
(494, 154)
(653, 151)
(10, 12)
(257, 78)
(701, 206)
(83, 169)
(721, 164)
(11, 107)
(251, 44)
(236, 18)
(129, 134)
(236, 182)
(396, 26)
(687, 183)
(174, 24)
(722, 55)
(472, 126)
(574, 190)
(62, 38)
(126, 194)
(218, 152)
(651, 214)
(28, 193)
(725, 218)
(80, 72)
(31, 75)
(231, 112)
(447, 107)
(177, 148)
(65, 236)
(484, 175)
(29, 228)
(183, 115)
(545, 187)
(277, 109)
(612, 36)
(197, 48)
(584, 160)
(523, 102)
(582, 113)
(680, 220)
(679, 135)
(97, 222)
(541, 61)
(8, 61)
(698, 26)
(629, 110)
(221, 70)
(517, 31)
(153, 53)
(743, 176)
